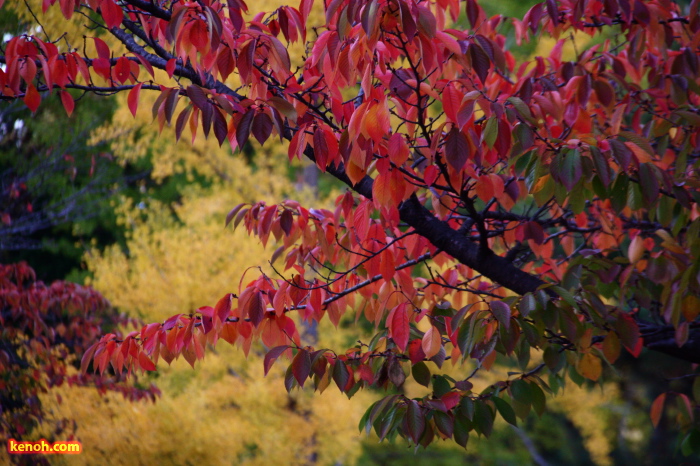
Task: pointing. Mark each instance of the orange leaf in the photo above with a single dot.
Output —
(611, 347)
(381, 190)
(229, 332)
(32, 99)
(432, 342)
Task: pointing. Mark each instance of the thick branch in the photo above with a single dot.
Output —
(441, 235)
(663, 340)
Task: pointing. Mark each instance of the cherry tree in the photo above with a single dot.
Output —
(542, 210)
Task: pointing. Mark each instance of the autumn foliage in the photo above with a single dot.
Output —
(44, 331)
(541, 210)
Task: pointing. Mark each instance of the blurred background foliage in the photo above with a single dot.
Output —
(102, 199)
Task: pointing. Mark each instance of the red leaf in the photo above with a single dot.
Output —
(102, 49)
(415, 351)
(170, 67)
(301, 366)
(451, 101)
(122, 70)
(220, 126)
(102, 67)
(32, 99)
(233, 212)
(629, 334)
(272, 356)
(531, 230)
(287, 221)
(112, 13)
(552, 11)
(67, 7)
(145, 362)
(456, 148)
(146, 64)
(67, 101)
(87, 356)
(256, 308)
(132, 99)
(399, 327)
(243, 128)
(480, 61)
(657, 408)
(473, 10)
(262, 127)
(321, 151)
(223, 307)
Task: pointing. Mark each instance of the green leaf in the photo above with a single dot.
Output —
(340, 374)
(649, 183)
(289, 379)
(696, 390)
(462, 427)
(618, 193)
(421, 373)
(635, 201)
(522, 109)
(389, 421)
(466, 407)
(501, 311)
(539, 401)
(365, 423)
(483, 418)
(490, 132)
(505, 410)
(571, 170)
(444, 422)
(521, 391)
(527, 304)
(415, 421)
(566, 296)
(691, 443)
(440, 386)
(553, 358)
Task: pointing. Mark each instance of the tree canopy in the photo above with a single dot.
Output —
(541, 209)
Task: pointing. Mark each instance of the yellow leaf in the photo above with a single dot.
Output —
(540, 184)
(590, 366)
(669, 243)
(635, 251)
